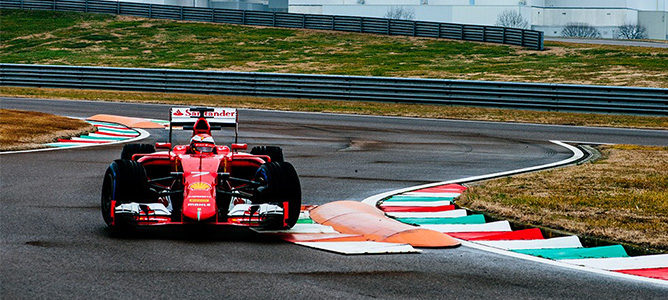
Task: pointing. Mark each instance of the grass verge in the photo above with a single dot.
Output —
(20, 130)
(45, 37)
(351, 107)
(621, 197)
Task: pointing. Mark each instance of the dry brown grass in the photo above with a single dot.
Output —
(621, 197)
(352, 107)
(20, 130)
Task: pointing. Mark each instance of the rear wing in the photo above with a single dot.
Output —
(217, 117)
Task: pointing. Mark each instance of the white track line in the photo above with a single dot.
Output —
(559, 242)
(76, 138)
(416, 203)
(435, 195)
(304, 228)
(93, 134)
(623, 263)
(441, 214)
(491, 226)
(367, 247)
(114, 130)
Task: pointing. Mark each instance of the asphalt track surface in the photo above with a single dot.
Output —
(55, 245)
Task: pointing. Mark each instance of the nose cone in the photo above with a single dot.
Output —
(199, 209)
(200, 203)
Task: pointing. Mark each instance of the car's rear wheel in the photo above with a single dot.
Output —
(280, 183)
(131, 149)
(274, 152)
(125, 181)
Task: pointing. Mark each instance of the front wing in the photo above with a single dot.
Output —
(152, 214)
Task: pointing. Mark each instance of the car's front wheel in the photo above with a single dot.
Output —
(280, 184)
(125, 181)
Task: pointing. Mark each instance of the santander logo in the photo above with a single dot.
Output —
(216, 114)
(222, 113)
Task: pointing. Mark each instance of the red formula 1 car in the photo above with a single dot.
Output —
(201, 183)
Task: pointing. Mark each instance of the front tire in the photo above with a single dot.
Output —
(125, 181)
(280, 184)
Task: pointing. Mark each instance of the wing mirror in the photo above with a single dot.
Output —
(237, 147)
(165, 146)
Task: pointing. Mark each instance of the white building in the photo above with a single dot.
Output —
(259, 5)
(549, 16)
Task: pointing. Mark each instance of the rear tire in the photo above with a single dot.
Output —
(131, 149)
(280, 184)
(275, 153)
(124, 181)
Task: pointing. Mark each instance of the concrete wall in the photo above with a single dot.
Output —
(424, 13)
(595, 17)
(196, 3)
(474, 14)
(306, 9)
(482, 15)
(259, 5)
(552, 21)
(630, 4)
(656, 23)
(607, 32)
(661, 5)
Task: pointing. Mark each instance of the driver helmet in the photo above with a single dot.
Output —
(202, 143)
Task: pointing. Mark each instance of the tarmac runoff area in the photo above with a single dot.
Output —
(66, 226)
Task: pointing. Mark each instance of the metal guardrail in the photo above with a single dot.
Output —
(536, 96)
(491, 34)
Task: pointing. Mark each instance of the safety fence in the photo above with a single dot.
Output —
(536, 96)
(492, 34)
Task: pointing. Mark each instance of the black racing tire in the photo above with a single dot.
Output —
(274, 152)
(280, 183)
(131, 149)
(177, 201)
(223, 204)
(124, 181)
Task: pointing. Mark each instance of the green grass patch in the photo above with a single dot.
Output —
(22, 23)
(44, 37)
